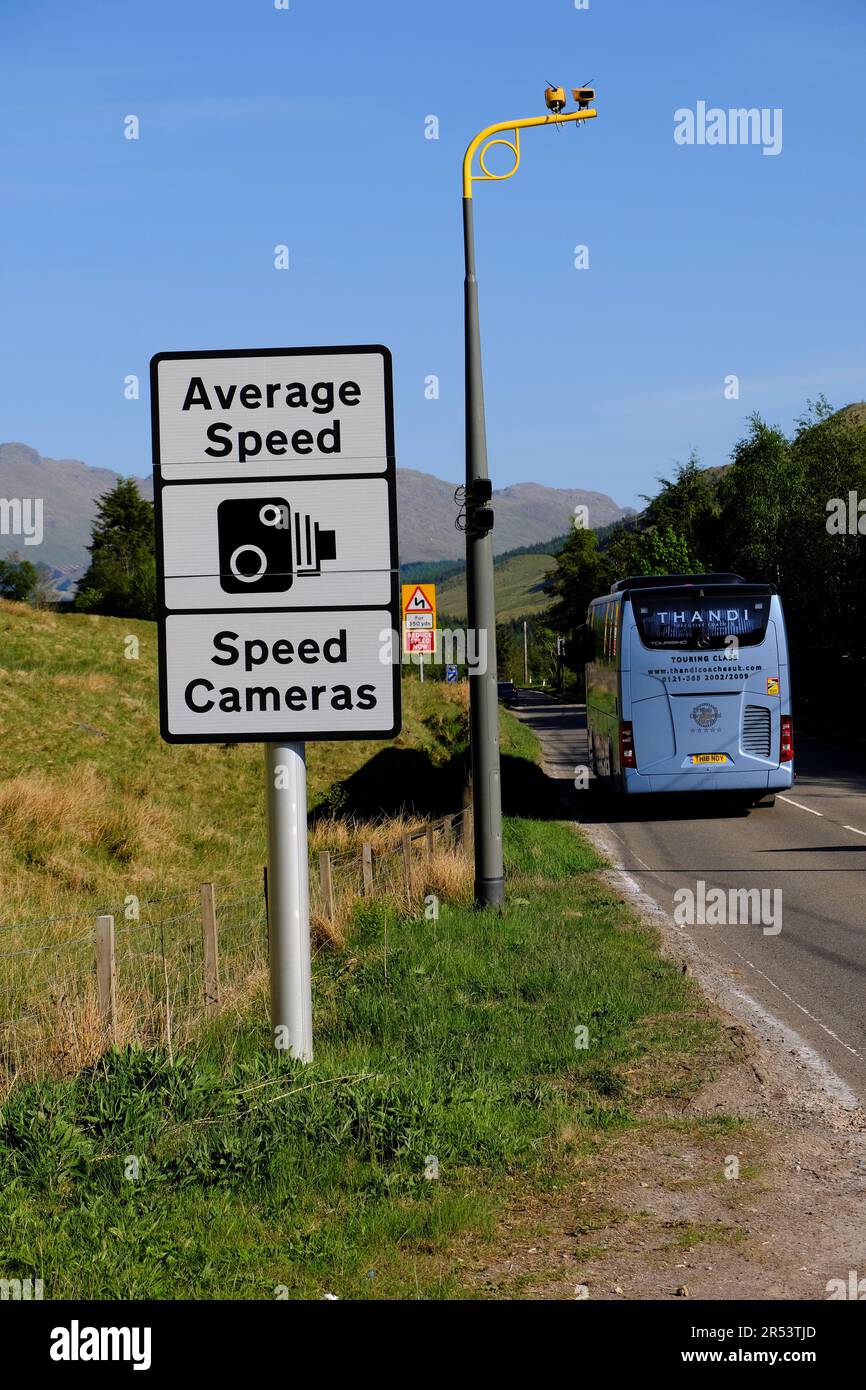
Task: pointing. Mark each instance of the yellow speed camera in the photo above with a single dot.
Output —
(584, 96)
(555, 98)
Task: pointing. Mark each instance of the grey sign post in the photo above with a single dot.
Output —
(289, 898)
(277, 567)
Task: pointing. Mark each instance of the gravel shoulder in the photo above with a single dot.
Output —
(753, 1188)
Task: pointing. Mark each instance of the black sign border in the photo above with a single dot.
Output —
(394, 607)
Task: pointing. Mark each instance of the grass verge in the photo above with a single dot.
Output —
(449, 1066)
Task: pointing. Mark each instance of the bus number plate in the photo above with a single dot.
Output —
(709, 757)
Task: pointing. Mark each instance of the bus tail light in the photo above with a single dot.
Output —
(626, 745)
(786, 748)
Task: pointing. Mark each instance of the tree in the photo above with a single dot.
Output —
(45, 595)
(577, 578)
(823, 568)
(509, 652)
(121, 578)
(687, 504)
(544, 666)
(662, 550)
(758, 495)
(19, 579)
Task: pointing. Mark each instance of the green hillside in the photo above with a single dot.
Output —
(518, 580)
(94, 806)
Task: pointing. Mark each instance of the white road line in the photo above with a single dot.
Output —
(801, 807)
(827, 1079)
(791, 1000)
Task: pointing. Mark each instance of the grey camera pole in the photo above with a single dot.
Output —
(481, 614)
(289, 899)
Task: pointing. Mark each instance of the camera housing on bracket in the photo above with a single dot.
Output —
(584, 96)
(555, 98)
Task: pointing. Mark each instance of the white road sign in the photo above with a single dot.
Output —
(309, 410)
(274, 478)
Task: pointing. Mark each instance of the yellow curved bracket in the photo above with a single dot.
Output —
(488, 137)
(513, 145)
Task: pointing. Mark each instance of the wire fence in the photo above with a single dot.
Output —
(151, 970)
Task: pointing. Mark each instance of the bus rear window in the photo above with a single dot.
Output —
(688, 623)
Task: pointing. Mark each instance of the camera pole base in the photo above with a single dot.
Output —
(489, 892)
(289, 899)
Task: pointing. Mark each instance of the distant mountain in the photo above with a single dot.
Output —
(525, 513)
(68, 489)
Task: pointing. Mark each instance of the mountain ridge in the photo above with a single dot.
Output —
(525, 513)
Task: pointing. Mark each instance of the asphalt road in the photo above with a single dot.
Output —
(811, 846)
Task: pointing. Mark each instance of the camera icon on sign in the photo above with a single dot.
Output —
(264, 545)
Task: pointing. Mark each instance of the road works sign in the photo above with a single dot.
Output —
(276, 544)
(419, 617)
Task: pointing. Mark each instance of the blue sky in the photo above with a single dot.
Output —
(306, 127)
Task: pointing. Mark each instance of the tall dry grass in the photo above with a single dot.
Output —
(49, 1014)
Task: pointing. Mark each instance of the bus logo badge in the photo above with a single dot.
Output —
(772, 685)
(706, 716)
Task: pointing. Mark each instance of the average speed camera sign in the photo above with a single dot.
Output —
(276, 522)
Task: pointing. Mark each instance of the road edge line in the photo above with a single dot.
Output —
(832, 1093)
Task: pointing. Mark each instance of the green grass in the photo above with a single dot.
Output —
(94, 806)
(517, 580)
(516, 740)
(451, 1040)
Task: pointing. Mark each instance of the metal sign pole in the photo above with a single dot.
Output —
(289, 899)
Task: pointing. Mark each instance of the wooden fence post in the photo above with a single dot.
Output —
(367, 868)
(428, 837)
(466, 814)
(327, 884)
(106, 977)
(210, 950)
(448, 830)
(407, 867)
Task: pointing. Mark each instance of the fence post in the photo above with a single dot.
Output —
(428, 836)
(326, 883)
(448, 830)
(407, 867)
(106, 976)
(210, 950)
(466, 827)
(367, 868)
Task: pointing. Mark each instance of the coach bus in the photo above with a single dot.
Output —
(688, 687)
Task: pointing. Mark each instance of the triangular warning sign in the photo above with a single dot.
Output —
(419, 603)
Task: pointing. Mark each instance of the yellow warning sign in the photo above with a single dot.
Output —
(419, 617)
(772, 685)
